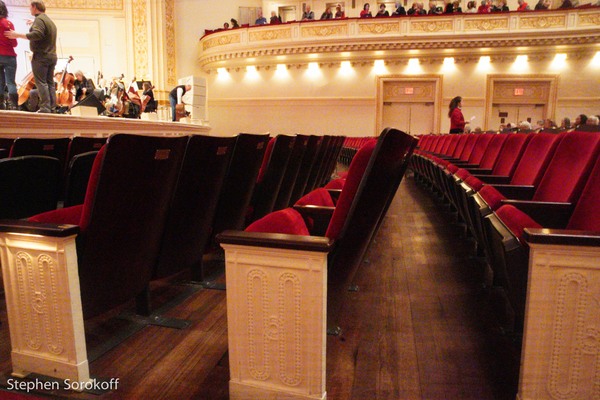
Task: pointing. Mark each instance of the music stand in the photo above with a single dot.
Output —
(92, 101)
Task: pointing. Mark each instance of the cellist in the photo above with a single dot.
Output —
(42, 38)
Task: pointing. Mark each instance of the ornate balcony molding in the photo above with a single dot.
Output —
(360, 40)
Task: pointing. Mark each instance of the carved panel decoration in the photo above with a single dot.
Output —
(561, 344)
(328, 30)
(271, 34)
(379, 28)
(486, 24)
(529, 92)
(140, 37)
(432, 26)
(409, 91)
(589, 19)
(542, 22)
(222, 40)
(84, 4)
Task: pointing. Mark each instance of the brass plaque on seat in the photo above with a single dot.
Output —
(162, 154)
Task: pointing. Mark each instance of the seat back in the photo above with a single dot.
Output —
(84, 144)
(470, 143)
(332, 159)
(51, 147)
(311, 183)
(569, 168)
(239, 183)
(308, 160)
(535, 159)
(480, 147)
(267, 189)
(77, 177)
(460, 145)
(492, 151)
(586, 216)
(29, 185)
(123, 218)
(291, 172)
(192, 213)
(5, 146)
(510, 154)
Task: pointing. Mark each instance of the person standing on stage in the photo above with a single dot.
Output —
(8, 61)
(457, 120)
(42, 42)
(175, 96)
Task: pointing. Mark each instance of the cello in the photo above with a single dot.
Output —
(27, 84)
(64, 91)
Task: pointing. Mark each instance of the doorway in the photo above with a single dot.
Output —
(409, 103)
(515, 113)
(288, 13)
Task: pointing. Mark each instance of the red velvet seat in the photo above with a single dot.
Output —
(123, 217)
(373, 178)
(77, 177)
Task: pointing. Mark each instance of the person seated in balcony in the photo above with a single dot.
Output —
(485, 7)
(366, 12)
(471, 7)
(382, 11)
(434, 9)
(500, 6)
(417, 9)
(569, 4)
(542, 5)
(339, 13)
(308, 14)
(226, 25)
(234, 23)
(261, 20)
(456, 8)
(399, 9)
(275, 19)
(327, 14)
(523, 6)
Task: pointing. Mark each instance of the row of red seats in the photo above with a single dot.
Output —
(349, 217)
(350, 147)
(503, 184)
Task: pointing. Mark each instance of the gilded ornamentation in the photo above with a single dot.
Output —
(379, 28)
(258, 310)
(221, 41)
(589, 19)
(328, 30)
(431, 26)
(290, 313)
(271, 34)
(542, 22)
(83, 4)
(170, 41)
(140, 37)
(487, 24)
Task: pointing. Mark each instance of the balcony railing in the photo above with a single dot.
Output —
(369, 38)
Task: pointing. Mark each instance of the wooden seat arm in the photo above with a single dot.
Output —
(37, 228)
(547, 214)
(493, 179)
(483, 171)
(562, 237)
(276, 240)
(319, 215)
(519, 192)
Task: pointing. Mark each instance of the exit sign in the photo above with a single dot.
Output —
(519, 91)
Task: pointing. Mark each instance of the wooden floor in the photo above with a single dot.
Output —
(418, 328)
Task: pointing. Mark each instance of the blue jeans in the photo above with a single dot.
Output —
(173, 102)
(8, 70)
(43, 72)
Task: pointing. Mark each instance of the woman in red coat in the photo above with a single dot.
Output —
(457, 121)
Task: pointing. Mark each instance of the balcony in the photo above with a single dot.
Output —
(398, 38)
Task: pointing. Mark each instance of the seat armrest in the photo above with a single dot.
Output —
(484, 171)
(37, 228)
(465, 164)
(335, 194)
(276, 240)
(547, 214)
(519, 192)
(318, 215)
(493, 179)
(562, 237)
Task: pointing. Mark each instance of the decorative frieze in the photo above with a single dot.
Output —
(589, 19)
(543, 22)
(486, 24)
(82, 4)
(221, 41)
(324, 31)
(379, 28)
(432, 26)
(271, 34)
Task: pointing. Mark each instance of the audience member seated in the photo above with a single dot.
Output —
(569, 4)
(226, 25)
(339, 13)
(275, 19)
(542, 5)
(417, 9)
(399, 9)
(525, 126)
(234, 23)
(456, 8)
(523, 6)
(593, 120)
(485, 7)
(308, 14)
(382, 11)
(434, 9)
(581, 119)
(366, 13)
(327, 14)
(261, 20)
(500, 7)
(471, 7)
